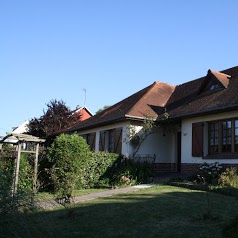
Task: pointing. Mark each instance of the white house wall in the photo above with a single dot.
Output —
(186, 134)
(164, 147)
(160, 144)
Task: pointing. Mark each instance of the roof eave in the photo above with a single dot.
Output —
(205, 113)
(125, 118)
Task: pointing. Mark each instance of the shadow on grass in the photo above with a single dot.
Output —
(160, 211)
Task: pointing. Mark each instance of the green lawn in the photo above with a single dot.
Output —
(45, 196)
(160, 211)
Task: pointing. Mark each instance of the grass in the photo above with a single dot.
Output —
(45, 196)
(160, 211)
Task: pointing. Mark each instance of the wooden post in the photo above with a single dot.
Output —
(35, 172)
(17, 168)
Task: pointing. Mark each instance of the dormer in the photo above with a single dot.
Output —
(215, 81)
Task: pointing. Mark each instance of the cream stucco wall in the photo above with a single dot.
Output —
(186, 134)
(163, 146)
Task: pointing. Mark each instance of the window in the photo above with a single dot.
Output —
(223, 137)
(226, 136)
(213, 147)
(110, 140)
(236, 135)
(90, 138)
(213, 87)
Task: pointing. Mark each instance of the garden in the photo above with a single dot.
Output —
(204, 205)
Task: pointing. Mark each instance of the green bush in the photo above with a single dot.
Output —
(26, 172)
(98, 170)
(132, 172)
(229, 178)
(68, 154)
(21, 200)
(7, 165)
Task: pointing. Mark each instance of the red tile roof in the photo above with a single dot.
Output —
(137, 106)
(185, 100)
(188, 100)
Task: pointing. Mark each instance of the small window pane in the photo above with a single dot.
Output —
(236, 123)
(224, 133)
(236, 131)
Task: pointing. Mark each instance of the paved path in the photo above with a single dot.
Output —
(92, 196)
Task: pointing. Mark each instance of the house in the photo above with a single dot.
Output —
(23, 128)
(196, 122)
(82, 112)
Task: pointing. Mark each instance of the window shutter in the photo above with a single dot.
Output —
(101, 141)
(92, 140)
(197, 139)
(118, 134)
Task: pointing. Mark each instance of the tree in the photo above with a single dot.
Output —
(57, 117)
(102, 109)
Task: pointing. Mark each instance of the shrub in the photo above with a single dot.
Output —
(132, 172)
(68, 153)
(26, 172)
(7, 164)
(209, 173)
(98, 169)
(229, 178)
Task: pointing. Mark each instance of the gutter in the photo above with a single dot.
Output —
(136, 118)
(126, 117)
(220, 110)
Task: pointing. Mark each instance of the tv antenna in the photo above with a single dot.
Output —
(85, 96)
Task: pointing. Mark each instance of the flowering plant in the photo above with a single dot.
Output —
(125, 180)
(209, 173)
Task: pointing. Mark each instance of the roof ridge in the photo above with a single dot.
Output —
(148, 91)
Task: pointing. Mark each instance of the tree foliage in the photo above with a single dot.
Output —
(57, 117)
(102, 109)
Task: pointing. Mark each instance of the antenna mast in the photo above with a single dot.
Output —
(85, 96)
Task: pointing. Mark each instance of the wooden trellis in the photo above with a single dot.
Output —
(19, 140)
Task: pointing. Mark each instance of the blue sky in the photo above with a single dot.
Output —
(54, 49)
